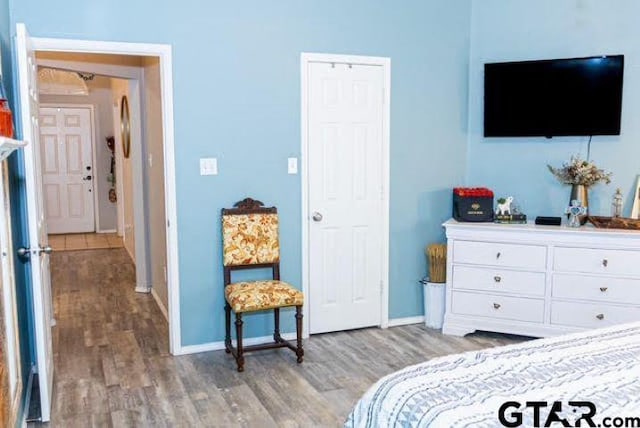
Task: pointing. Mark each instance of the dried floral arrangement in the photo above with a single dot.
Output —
(580, 171)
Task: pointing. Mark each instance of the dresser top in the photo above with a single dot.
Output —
(532, 228)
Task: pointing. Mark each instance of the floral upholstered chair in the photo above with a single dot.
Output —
(250, 241)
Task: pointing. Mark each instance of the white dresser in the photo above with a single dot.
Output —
(539, 280)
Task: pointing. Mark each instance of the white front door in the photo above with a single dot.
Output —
(67, 169)
(37, 227)
(345, 195)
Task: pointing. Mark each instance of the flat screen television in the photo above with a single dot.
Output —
(559, 97)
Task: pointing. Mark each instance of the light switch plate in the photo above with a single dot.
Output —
(208, 166)
(292, 165)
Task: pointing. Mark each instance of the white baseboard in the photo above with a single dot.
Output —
(406, 321)
(160, 304)
(143, 289)
(217, 346)
(106, 231)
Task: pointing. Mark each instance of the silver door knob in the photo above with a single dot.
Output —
(24, 253)
(316, 216)
(46, 249)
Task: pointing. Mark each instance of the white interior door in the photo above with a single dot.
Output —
(67, 169)
(345, 195)
(40, 273)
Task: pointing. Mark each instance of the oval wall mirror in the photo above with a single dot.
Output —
(125, 127)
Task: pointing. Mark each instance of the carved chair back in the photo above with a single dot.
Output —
(250, 238)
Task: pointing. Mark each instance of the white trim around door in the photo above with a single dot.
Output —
(164, 53)
(385, 63)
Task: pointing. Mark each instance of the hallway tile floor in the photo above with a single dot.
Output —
(85, 241)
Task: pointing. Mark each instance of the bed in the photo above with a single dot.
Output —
(467, 390)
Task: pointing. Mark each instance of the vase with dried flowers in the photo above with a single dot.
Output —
(580, 174)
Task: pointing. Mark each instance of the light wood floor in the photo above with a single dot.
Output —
(85, 241)
(112, 366)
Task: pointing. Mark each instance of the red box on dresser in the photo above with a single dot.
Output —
(473, 204)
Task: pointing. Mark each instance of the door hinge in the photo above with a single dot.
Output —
(381, 287)
(168, 223)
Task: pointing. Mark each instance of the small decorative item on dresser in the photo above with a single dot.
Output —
(507, 212)
(511, 218)
(616, 204)
(581, 174)
(575, 211)
(473, 204)
(615, 222)
(504, 206)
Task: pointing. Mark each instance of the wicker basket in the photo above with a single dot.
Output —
(437, 261)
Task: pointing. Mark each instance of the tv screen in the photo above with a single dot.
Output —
(578, 96)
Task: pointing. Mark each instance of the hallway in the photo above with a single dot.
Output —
(106, 339)
(113, 369)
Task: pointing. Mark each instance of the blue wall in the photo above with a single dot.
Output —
(517, 30)
(237, 97)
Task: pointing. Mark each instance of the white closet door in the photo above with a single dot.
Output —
(345, 124)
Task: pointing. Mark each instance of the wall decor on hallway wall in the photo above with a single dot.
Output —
(111, 178)
(125, 126)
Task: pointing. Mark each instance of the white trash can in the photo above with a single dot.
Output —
(434, 297)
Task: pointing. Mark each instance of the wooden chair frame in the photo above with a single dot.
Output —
(251, 206)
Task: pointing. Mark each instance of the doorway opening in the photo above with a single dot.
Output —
(142, 78)
(83, 174)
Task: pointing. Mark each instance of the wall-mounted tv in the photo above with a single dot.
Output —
(559, 97)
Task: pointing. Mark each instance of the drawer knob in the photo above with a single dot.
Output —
(498, 255)
(497, 278)
(600, 316)
(603, 289)
(605, 262)
(496, 306)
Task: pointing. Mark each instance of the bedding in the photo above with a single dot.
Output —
(599, 368)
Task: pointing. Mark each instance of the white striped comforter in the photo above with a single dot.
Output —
(466, 390)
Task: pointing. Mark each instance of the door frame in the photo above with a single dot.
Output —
(306, 59)
(94, 133)
(164, 53)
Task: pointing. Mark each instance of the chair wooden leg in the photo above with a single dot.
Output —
(299, 350)
(227, 324)
(276, 330)
(240, 356)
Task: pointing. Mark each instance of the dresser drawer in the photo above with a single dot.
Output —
(592, 315)
(600, 288)
(494, 306)
(590, 260)
(498, 280)
(531, 257)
